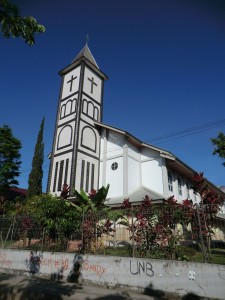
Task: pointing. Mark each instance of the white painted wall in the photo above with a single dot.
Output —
(115, 177)
(97, 89)
(133, 174)
(152, 174)
(201, 279)
(115, 144)
(66, 84)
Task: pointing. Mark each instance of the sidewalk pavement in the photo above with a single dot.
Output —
(21, 287)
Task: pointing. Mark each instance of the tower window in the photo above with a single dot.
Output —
(60, 175)
(170, 182)
(82, 174)
(87, 177)
(114, 166)
(66, 171)
(92, 176)
(55, 176)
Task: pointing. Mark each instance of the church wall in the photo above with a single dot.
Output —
(147, 153)
(115, 144)
(134, 179)
(133, 151)
(71, 82)
(152, 174)
(92, 84)
(115, 177)
(133, 168)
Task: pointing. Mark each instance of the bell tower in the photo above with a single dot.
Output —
(74, 159)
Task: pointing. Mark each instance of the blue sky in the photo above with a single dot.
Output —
(165, 63)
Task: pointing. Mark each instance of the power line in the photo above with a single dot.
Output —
(189, 131)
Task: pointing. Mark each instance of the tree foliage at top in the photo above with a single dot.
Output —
(219, 144)
(12, 24)
(36, 174)
(9, 159)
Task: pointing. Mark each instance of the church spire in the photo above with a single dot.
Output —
(85, 52)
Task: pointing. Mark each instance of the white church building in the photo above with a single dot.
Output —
(89, 154)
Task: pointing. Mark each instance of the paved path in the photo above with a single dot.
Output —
(20, 287)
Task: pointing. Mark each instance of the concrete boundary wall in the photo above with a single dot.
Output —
(204, 280)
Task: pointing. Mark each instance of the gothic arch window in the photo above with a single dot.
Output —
(85, 107)
(65, 137)
(90, 110)
(88, 138)
(63, 111)
(74, 102)
(68, 108)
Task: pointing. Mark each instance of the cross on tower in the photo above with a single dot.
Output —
(92, 83)
(71, 82)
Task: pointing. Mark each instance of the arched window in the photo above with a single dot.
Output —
(88, 138)
(68, 108)
(90, 109)
(65, 137)
(85, 107)
(63, 111)
(96, 113)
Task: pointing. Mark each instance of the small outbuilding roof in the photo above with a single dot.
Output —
(139, 193)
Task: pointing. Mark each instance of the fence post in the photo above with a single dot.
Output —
(132, 222)
(12, 230)
(42, 242)
(82, 232)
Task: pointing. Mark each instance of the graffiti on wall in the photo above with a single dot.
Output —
(35, 261)
(55, 264)
(93, 268)
(4, 260)
(139, 267)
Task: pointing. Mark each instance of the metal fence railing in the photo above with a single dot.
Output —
(162, 231)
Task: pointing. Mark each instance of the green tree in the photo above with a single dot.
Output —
(219, 144)
(12, 24)
(57, 216)
(36, 174)
(9, 159)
